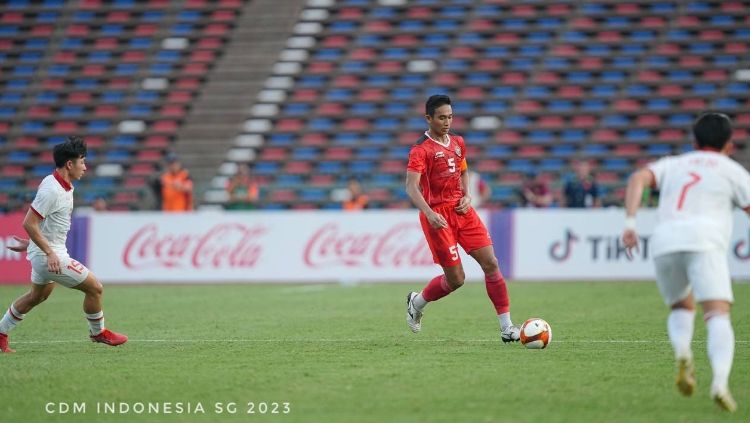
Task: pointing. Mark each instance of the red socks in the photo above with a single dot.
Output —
(498, 292)
(436, 289)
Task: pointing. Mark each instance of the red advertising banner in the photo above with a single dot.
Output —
(14, 268)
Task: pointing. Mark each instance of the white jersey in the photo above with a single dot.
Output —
(697, 192)
(54, 205)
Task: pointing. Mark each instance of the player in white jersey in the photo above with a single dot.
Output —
(698, 191)
(47, 223)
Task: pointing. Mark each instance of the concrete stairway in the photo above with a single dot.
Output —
(234, 82)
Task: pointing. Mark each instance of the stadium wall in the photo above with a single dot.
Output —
(331, 246)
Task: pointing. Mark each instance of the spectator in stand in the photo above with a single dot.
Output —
(535, 191)
(357, 198)
(243, 190)
(176, 187)
(100, 204)
(479, 190)
(581, 191)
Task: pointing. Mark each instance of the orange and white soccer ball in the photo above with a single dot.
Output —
(536, 333)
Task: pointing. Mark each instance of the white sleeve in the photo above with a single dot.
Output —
(45, 202)
(741, 188)
(659, 169)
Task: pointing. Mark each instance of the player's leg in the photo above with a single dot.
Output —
(674, 286)
(497, 291)
(92, 306)
(709, 274)
(475, 239)
(444, 250)
(18, 309)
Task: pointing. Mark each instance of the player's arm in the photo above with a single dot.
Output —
(633, 195)
(436, 220)
(465, 203)
(31, 224)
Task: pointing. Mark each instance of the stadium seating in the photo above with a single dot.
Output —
(121, 74)
(535, 86)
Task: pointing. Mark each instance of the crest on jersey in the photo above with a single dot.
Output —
(439, 154)
(458, 151)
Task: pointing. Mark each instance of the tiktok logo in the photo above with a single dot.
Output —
(560, 250)
(742, 245)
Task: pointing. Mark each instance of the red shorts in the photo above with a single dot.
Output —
(466, 230)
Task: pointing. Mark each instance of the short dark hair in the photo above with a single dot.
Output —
(73, 148)
(434, 102)
(712, 129)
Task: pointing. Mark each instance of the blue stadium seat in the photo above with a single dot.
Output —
(560, 105)
(282, 140)
(322, 124)
(658, 61)
(436, 38)
(19, 157)
(7, 112)
(112, 30)
(355, 66)
(498, 151)
(329, 54)
(617, 164)
(83, 16)
(335, 167)
(296, 109)
(640, 135)
(346, 138)
(456, 65)
(369, 40)
(615, 121)
(124, 140)
(517, 122)
(312, 81)
(564, 150)
(503, 91)
(403, 93)
(521, 165)
(36, 44)
(366, 109)
(604, 91)
(266, 168)
(285, 180)
(573, 136)
(11, 98)
(541, 136)
(152, 16)
(494, 107)
(305, 153)
(552, 165)
(378, 80)
(140, 43)
(313, 194)
(46, 97)
(522, 63)
(379, 138)
(58, 70)
(71, 110)
(659, 149)
(24, 70)
(367, 167)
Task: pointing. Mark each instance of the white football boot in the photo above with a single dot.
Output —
(510, 333)
(413, 316)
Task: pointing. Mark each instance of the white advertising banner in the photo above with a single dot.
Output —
(585, 245)
(308, 246)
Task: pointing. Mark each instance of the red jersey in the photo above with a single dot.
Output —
(441, 167)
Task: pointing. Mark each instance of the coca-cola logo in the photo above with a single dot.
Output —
(226, 245)
(402, 245)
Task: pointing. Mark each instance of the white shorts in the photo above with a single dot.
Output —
(72, 273)
(706, 273)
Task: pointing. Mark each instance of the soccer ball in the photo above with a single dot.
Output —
(536, 333)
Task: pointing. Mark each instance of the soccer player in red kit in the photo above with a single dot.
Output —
(437, 183)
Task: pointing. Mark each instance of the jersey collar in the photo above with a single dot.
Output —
(427, 134)
(65, 184)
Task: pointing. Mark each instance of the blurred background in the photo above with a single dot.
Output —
(313, 104)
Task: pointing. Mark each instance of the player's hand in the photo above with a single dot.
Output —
(53, 263)
(464, 205)
(436, 220)
(21, 246)
(630, 241)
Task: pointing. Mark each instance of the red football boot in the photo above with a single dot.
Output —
(110, 338)
(4, 344)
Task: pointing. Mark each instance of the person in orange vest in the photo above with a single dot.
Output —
(357, 200)
(176, 187)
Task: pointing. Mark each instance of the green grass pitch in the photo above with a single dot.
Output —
(344, 354)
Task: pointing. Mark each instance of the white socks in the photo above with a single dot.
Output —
(96, 322)
(720, 349)
(504, 320)
(11, 318)
(419, 302)
(680, 325)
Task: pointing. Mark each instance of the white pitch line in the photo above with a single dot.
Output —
(477, 341)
